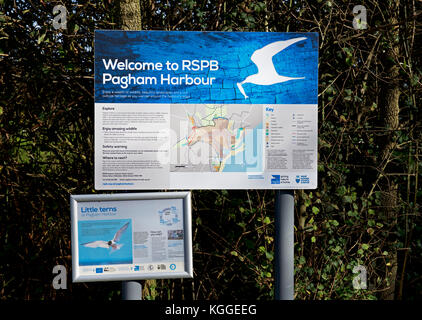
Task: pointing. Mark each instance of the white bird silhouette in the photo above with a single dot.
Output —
(262, 58)
(108, 244)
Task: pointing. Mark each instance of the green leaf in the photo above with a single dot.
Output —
(41, 38)
(308, 202)
(414, 80)
(242, 224)
(341, 191)
(336, 249)
(266, 220)
(347, 199)
(373, 106)
(313, 239)
(315, 210)
(269, 255)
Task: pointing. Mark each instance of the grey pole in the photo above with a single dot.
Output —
(284, 245)
(131, 290)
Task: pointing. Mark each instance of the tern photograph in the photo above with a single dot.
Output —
(104, 242)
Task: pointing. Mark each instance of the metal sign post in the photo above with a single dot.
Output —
(284, 245)
(131, 290)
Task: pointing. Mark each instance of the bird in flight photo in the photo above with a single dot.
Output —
(111, 244)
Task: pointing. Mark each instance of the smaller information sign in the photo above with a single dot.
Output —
(131, 236)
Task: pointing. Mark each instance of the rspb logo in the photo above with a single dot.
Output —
(302, 179)
(278, 179)
(275, 179)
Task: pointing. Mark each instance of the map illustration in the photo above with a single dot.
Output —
(216, 138)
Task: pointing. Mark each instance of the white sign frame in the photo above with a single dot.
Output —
(147, 272)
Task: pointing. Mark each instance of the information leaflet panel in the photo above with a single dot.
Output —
(131, 236)
(205, 110)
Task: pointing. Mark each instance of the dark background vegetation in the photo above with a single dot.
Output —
(366, 210)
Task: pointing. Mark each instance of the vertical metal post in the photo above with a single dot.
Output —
(284, 245)
(131, 290)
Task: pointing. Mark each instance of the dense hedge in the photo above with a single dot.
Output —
(46, 141)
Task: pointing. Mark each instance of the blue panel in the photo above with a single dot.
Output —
(104, 230)
(232, 51)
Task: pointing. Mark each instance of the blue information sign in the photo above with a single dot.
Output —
(205, 110)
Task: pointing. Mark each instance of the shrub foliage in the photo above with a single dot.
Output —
(366, 210)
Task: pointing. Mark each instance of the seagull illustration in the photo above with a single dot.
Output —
(108, 244)
(262, 58)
